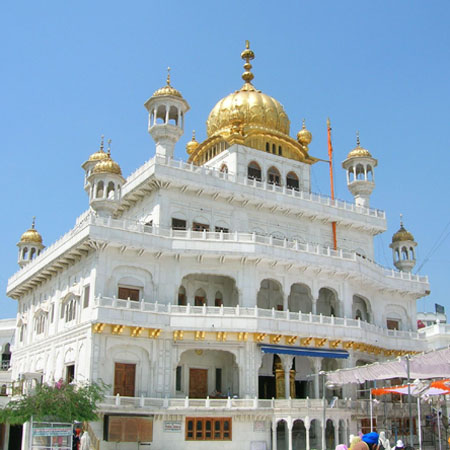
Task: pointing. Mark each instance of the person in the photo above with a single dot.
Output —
(384, 441)
(354, 440)
(371, 439)
(341, 447)
(85, 442)
(360, 445)
(399, 445)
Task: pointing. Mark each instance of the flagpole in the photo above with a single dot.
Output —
(330, 156)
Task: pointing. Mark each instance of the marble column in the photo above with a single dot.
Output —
(287, 364)
(274, 435)
(289, 426)
(307, 423)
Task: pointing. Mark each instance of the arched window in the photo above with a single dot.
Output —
(274, 149)
(292, 181)
(254, 171)
(360, 172)
(369, 173)
(411, 253)
(273, 176)
(224, 168)
(280, 151)
(161, 114)
(6, 357)
(404, 253)
(70, 310)
(397, 255)
(200, 297)
(25, 253)
(218, 301)
(110, 190)
(100, 188)
(32, 253)
(351, 174)
(173, 116)
(267, 147)
(182, 296)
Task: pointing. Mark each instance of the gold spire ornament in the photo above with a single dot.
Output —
(358, 151)
(100, 153)
(247, 55)
(31, 235)
(107, 165)
(168, 89)
(192, 144)
(304, 136)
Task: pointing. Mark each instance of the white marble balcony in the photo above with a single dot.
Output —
(256, 320)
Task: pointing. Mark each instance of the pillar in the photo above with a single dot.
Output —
(307, 423)
(336, 433)
(287, 364)
(317, 365)
(274, 435)
(289, 426)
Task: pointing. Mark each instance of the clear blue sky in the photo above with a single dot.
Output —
(73, 71)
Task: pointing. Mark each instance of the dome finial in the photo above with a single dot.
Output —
(109, 147)
(401, 220)
(247, 55)
(101, 142)
(303, 124)
(193, 135)
(357, 139)
(168, 76)
(33, 222)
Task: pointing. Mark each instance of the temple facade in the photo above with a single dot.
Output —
(210, 294)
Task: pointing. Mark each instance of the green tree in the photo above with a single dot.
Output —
(59, 403)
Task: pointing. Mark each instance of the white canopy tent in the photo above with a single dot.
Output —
(434, 364)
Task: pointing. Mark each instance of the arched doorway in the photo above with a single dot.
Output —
(300, 298)
(270, 295)
(328, 303)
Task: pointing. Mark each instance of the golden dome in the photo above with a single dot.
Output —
(31, 236)
(304, 136)
(107, 165)
(358, 151)
(167, 89)
(99, 154)
(192, 144)
(402, 234)
(247, 108)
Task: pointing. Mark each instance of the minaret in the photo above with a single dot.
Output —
(105, 183)
(166, 109)
(99, 155)
(30, 245)
(403, 249)
(360, 177)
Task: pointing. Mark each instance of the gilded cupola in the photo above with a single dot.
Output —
(30, 245)
(168, 89)
(402, 234)
(31, 235)
(251, 118)
(99, 154)
(358, 151)
(107, 165)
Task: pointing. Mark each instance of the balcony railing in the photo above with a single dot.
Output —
(189, 311)
(225, 403)
(86, 220)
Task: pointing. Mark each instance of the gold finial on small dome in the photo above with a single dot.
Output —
(402, 234)
(304, 136)
(100, 153)
(358, 151)
(107, 165)
(247, 55)
(31, 235)
(192, 144)
(168, 89)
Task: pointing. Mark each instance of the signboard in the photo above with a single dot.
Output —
(51, 435)
(172, 426)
